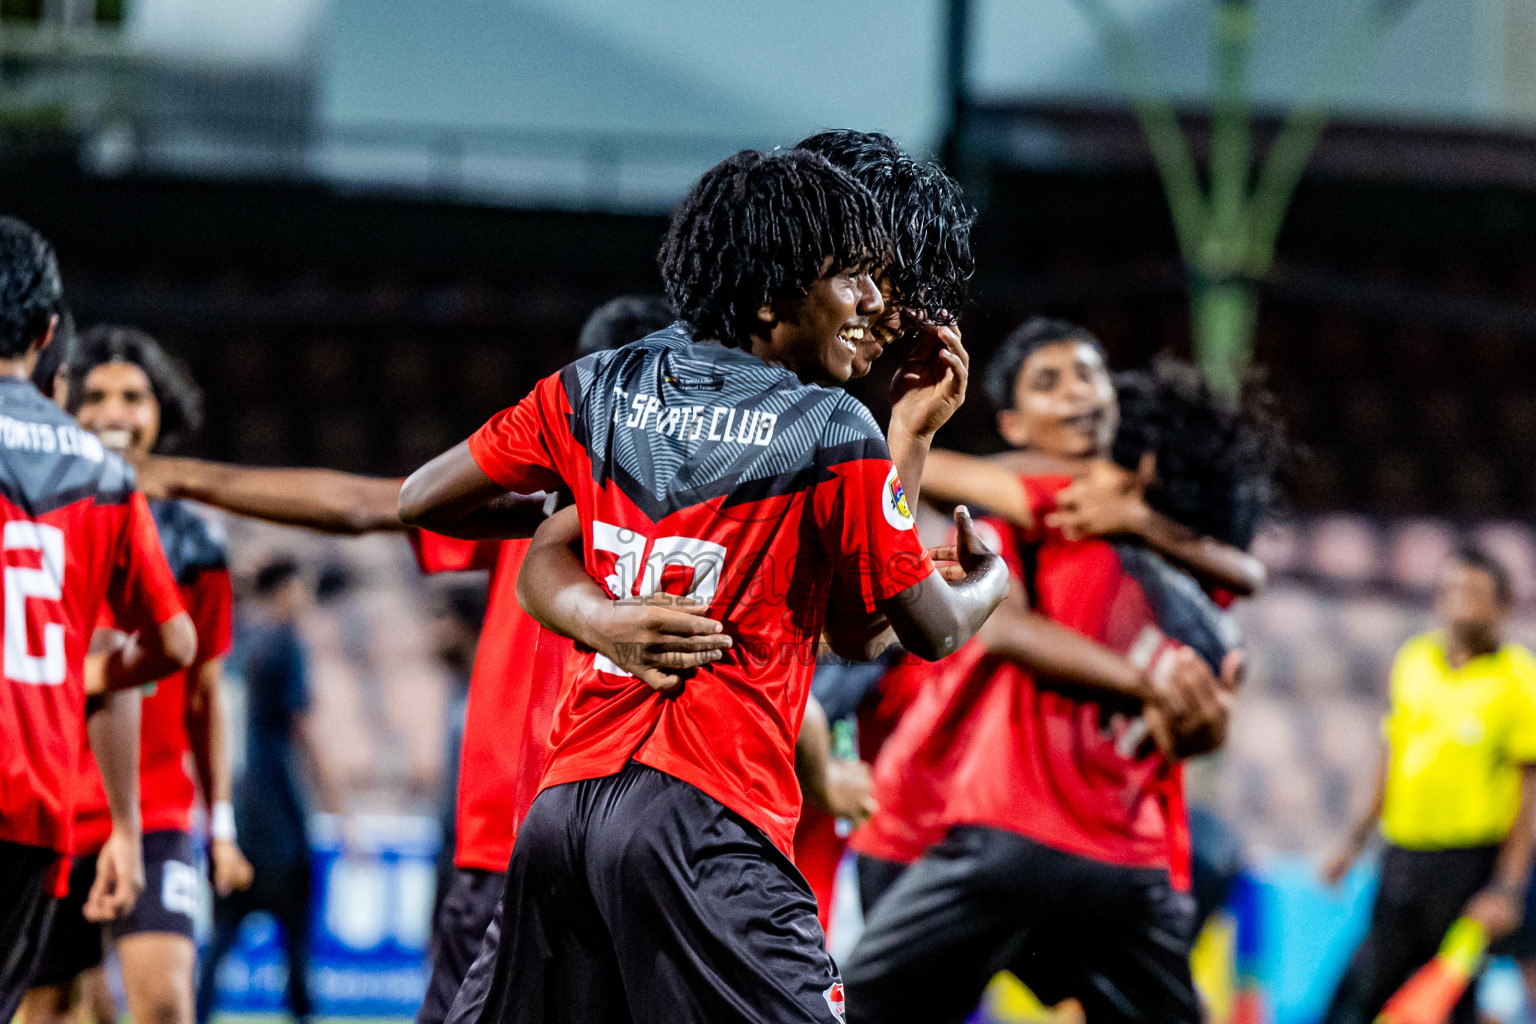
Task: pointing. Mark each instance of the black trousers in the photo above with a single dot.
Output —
(876, 876)
(638, 897)
(1421, 894)
(458, 929)
(284, 892)
(26, 908)
(985, 900)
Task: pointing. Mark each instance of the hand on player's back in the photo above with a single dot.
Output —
(661, 637)
(1188, 712)
(1108, 499)
(930, 383)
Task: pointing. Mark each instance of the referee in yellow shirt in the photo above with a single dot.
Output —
(1455, 796)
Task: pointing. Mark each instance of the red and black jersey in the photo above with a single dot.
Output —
(194, 549)
(76, 534)
(702, 470)
(512, 692)
(914, 768)
(1048, 762)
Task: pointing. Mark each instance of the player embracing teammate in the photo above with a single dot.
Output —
(651, 879)
(1037, 783)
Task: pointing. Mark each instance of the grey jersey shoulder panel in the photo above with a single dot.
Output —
(675, 423)
(47, 461)
(192, 544)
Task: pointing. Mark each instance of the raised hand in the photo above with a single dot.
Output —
(931, 382)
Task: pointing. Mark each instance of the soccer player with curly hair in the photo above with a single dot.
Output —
(718, 460)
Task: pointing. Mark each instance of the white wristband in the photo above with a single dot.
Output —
(221, 823)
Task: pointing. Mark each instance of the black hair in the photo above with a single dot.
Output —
(925, 213)
(31, 291)
(1218, 458)
(56, 358)
(275, 573)
(759, 228)
(1475, 556)
(181, 401)
(1007, 362)
(620, 321)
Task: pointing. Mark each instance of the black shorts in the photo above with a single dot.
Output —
(1420, 894)
(26, 906)
(458, 930)
(167, 904)
(876, 876)
(636, 897)
(985, 900)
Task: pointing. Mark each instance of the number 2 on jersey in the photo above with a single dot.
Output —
(24, 585)
(637, 575)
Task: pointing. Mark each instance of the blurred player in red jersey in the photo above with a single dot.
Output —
(77, 537)
(1148, 416)
(122, 387)
(1040, 776)
(517, 667)
(718, 459)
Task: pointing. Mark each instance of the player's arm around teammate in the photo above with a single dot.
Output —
(1105, 500)
(660, 639)
(317, 499)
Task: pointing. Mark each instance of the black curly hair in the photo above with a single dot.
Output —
(56, 356)
(1218, 458)
(925, 213)
(620, 321)
(759, 228)
(31, 291)
(181, 400)
(1035, 333)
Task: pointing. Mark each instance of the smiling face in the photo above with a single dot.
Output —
(118, 405)
(826, 336)
(884, 331)
(1063, 403)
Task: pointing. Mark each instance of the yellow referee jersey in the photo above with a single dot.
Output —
(1457, 739)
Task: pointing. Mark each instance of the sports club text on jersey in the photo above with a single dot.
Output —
(694, 422)
(50, 438)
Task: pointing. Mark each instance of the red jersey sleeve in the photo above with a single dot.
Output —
(1040, 492)
(436, 553)
(866, 524)
(523, 448)
(211, 602)
(143, 591)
